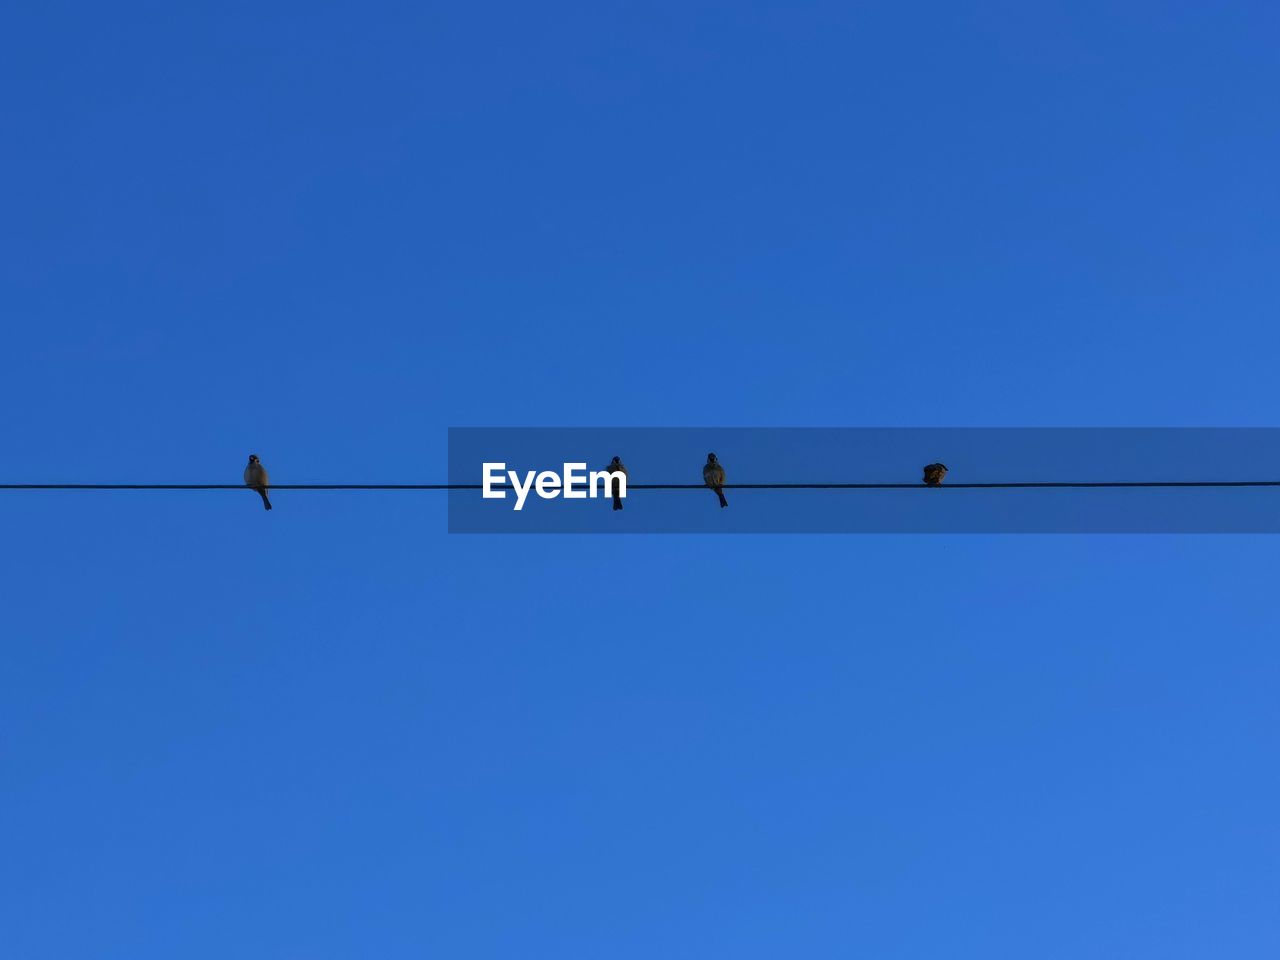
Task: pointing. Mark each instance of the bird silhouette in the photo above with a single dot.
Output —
(713, 477)
(617, 466)
(255, 475)
(933, 474)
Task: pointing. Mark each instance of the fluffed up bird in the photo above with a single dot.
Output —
(617, 466)
(933, 474)
(255, 475)
(713, 477)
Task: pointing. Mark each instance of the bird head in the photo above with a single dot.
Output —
(253, 458)
(617, 459)
(711, 458)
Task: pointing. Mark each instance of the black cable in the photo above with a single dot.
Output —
(1037, 484)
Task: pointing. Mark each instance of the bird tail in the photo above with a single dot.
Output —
(262, 492)
(617, 502)
(720, 494)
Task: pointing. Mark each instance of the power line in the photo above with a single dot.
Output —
(1002, 485)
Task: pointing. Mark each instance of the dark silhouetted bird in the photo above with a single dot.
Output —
(934, 473)
(713, 477)
(617, 466)
(255, 475)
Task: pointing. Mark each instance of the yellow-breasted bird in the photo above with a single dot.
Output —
(616, 466)
(713, 477)
(255, 475)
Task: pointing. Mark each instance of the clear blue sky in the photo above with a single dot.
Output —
(326, 233)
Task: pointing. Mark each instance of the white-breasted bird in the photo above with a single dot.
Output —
(713, 477)
(617, 466)
(255, 475)
(933, 474)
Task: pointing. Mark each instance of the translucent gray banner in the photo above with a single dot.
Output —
(867, 480)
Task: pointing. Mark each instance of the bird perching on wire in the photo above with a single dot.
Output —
(713, 477)
(616, 466)
(934, 473)
(255, 476)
